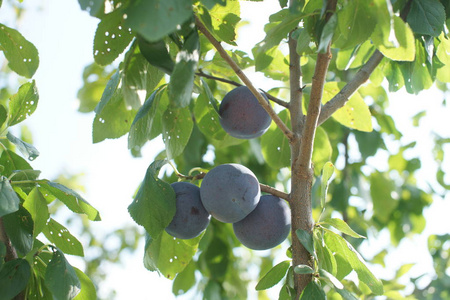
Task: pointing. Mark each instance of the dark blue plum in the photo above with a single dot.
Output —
(230, 192)
(241, 115)
(191, 218)
(267, 226)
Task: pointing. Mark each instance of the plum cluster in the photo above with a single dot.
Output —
(231, 194)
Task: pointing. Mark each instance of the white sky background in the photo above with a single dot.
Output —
(64, 35)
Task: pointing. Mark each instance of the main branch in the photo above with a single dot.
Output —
(287, 132)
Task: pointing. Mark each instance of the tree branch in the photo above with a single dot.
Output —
(352, 86)
(269, 96)
(10, 251)
(286, 131)
(295, 83)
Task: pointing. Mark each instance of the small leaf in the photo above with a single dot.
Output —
(36, 205)
(21, 54)
(306, 239)
(61, 278)
(154, 204)
(177, 128)
(303, 269)
(62, 238)
(19, 228)
(327, 172)
(14, 277)
(327, 34)
(88, 291)
(9, 201)
(313, 291)
(341, 226)
(26, 149)
(275, 275)
(427, 17)
(23, 103)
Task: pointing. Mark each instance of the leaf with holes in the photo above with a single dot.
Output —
(36, 205)
(26, 149)
(14, 277)
(427, 17)
(177, 128)
(61, 278)
(275, 275)
(154, 204)
(21, 54)
(23, 103)
(275, 145)
(71, 199)
(19, 228)
(354, 114)
(88, 291)
(155, 19)
(62, 238)
(111, 37)
(169, 255)
(9, 201)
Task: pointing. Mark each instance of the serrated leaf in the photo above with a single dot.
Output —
(341, 226)
(156, 53)
(339, 245)
(71, 199)
(9, 201)
(222, 21)
(154, 204)
(61, 278)
(62, 238)
(14, 277)
(169, 255)
(182, 79)
(274, 144)
(23, 103)
(19, 228)
(427, 17)
(21, 54)
(26, 149)
(155, 19)
(303, 269)
(177, 128)
(327, 172)
(36, 205)
(92, 6)
(306, 240)
(275, 275)
(88, 291)
(313, 291)
(111, 37)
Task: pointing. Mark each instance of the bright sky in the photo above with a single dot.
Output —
(63, 35)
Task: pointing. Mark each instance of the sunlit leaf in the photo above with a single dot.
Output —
(9, 201)
(327, 172)
(61, 278)
(36, 205)
(62, 238)
(88, 290)
(23, 103)
(26, 149)
(177, 128)
(341, 226)
(275, 275)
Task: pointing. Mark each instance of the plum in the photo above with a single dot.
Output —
(191, 218)
(241, 115)
(267, 226)
(230, 192)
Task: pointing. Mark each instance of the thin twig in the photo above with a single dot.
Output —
(283, 127)
(269, 96)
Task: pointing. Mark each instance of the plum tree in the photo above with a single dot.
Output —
(191, 217)
(230, 192)
(267, 226)
(241, 115)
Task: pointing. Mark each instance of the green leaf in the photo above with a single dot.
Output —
(427, 17)
(185, 280)
(111, 37)
(71, 199)
(275, 275)
(306, 239)
(21, 54)
(322, 149)
(341, 226)
(169, 255)
(26, 149)
(3, 115)
(88, 291)
(207, 118)
(156, 53)
(325, 257)
(403, 49)
(2, 254)
(327, 172)
(23, 103)
(275, 146)
(155, 19)
(108, 92)
(19, 227)
(182, 79)
(154, 205)
(210, 3)
(336, 283)
(443, 73)
(36, 205)
(416, 74)
(142, 126)
(380, 192)
(313, 291)
(61, 278)
(222, 21)
(62, 238)
(355, 57)
(354, 114)
(14, 277)
(114, 120)
(303, 41)
(327, 34)
(177, 128)
(92, 6)
(338, 244)
(9, 201)
(303, 269)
